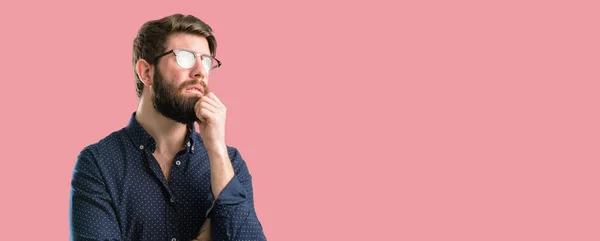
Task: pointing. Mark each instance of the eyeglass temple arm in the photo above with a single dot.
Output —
(158, 57)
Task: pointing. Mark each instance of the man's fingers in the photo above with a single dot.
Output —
(210, 101)
(208, 110)
(209, 107)
(214, 97)
(207, 114)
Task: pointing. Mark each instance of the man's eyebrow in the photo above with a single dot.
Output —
(197, 52)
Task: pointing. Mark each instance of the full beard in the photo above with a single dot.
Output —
(170, 102)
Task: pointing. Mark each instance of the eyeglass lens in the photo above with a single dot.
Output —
(187, 59)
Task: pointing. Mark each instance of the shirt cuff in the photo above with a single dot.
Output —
(234, 193)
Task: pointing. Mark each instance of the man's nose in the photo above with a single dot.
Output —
(198, 71)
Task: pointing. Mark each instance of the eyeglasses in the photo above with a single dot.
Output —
(186, 59)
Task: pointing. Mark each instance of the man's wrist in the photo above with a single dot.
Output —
(217, 150)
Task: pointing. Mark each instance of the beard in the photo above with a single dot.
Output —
(170, 102)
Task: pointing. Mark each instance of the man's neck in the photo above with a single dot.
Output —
(168, 134)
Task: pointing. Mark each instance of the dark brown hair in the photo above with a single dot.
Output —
(151, 39)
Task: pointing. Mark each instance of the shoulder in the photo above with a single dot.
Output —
(104, 148)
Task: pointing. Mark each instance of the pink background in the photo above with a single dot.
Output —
(370, 120)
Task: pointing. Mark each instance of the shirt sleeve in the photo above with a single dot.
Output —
(91, 215)
(232, 215)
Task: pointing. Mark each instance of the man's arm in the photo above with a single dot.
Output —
(91, 215)
(232, 213)
(233, 216)
(221, 169)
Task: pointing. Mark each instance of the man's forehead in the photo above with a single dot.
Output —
(191, 42)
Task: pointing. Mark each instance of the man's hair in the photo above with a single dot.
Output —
(151, 39)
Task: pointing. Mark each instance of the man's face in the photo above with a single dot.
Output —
(176, 90)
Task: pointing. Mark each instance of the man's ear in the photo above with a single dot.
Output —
(144, 71)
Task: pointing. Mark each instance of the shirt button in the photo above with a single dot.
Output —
(188, 144)
(172, 199)
(178, 163)
(173, 239)
(141, 147)
(192, 148)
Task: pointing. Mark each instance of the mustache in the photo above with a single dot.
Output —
(192, 82)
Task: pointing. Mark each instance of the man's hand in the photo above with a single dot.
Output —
(211, 114)
(204, 234)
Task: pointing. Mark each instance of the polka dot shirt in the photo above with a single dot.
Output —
(118, 192)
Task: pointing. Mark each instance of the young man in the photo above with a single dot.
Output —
(157, 178)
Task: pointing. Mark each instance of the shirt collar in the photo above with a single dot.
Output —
(143, 140)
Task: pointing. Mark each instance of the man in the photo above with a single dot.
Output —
(157, 178)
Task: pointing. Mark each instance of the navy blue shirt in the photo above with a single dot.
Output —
(119, 192)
